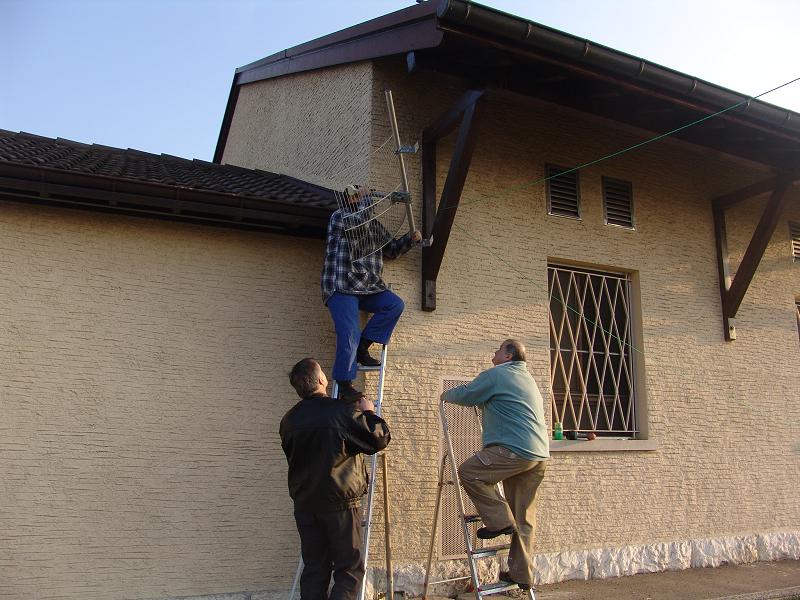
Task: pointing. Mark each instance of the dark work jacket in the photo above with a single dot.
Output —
(323, 440)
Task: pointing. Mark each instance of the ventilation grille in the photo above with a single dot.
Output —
(794, 233)
(465, 433)
(618, 202)
(563, 194)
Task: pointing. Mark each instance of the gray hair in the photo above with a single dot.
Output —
(515, 348)
(304, 377)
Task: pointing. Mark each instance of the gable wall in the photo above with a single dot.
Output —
(308, 125)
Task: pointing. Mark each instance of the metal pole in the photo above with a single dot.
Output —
(403, 175)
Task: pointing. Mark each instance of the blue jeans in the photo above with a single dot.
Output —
(386, 308)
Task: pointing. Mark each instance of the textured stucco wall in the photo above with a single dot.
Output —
(142, 378)
(725, 416)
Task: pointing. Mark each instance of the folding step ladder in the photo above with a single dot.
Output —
(468, 521)
(366, 521)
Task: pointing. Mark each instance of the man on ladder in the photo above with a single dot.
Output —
(323, 440)
(352, 283)
(515, 448)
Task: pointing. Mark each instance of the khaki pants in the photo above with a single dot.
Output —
(521, 478)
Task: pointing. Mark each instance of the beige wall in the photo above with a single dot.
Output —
(725, 416)
(142, 379)
(143, 363)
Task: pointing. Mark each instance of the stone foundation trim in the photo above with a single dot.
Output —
(597, 563)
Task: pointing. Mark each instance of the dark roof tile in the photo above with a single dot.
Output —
(136, 165)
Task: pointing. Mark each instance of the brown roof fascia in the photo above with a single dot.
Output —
(27, 183)
(593, 60)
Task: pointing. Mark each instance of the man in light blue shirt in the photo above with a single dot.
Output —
(515, 448)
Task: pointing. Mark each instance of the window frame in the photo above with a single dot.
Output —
(635, 409)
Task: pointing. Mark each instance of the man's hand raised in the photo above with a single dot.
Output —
(364, 403)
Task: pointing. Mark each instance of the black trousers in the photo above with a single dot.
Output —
(330, 542)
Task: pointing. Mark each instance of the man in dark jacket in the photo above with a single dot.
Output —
(323, 440)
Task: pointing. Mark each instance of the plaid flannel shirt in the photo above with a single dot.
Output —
(362, 276)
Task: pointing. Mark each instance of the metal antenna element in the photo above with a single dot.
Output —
(373, 217)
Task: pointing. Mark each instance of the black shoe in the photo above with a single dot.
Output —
(485, 533)
(347, 392)
(505, 576)
(362, 354)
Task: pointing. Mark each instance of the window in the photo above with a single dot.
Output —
(563, 193)
(591, 352)
(618, 202)
(794, 234)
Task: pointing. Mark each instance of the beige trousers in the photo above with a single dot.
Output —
(521, 478)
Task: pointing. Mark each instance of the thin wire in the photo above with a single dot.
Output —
(593, 162)
(534, 182)
(362, 161)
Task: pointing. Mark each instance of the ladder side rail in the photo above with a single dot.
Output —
(459, 497)
(373, 471)
(434, 527)
(296, 578)
(387, 528)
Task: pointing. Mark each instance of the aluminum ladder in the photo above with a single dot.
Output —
(474, 554)
(366, 521)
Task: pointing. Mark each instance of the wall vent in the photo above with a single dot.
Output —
(563, 192)
(794, 234)
(465, 433)
(618, 202)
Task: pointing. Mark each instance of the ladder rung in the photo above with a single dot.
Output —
(491, 551)
(497, 588)
(472, 518)
(363, 368)
(448, 580)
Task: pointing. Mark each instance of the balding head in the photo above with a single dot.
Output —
(509, 350)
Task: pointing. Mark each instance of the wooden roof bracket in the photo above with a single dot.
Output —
(732, 290)
(438, 222)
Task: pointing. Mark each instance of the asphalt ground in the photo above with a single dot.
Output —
(755, 581)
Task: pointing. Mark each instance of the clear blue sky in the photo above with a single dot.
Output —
(155, 74)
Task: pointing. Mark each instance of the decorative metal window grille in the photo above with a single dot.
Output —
(618, 202)
(794, 233)
(591, 356)
(563, 192)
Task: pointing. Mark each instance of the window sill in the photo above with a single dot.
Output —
(601, 445)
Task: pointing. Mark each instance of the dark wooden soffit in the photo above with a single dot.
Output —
(55, 187)
(732, 290)
(439, 222)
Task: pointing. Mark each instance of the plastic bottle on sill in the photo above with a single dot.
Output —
(558, 431)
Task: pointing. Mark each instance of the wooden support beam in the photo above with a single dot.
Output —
(732, 291)
(723, 268)
(745, 193)
(441, 225)
(755, 250)
(448, 121)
